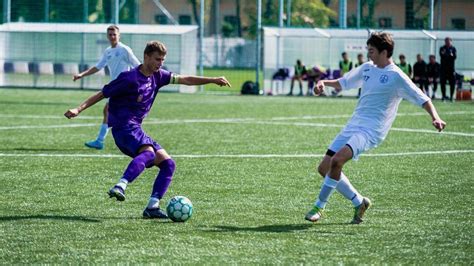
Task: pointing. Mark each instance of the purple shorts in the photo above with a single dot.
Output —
(130, 140)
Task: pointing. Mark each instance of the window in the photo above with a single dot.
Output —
(184, 20)
(385, 23)
(161, 19)
(458, 23)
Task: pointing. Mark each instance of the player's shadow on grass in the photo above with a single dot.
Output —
(274, 228)
(49, 217)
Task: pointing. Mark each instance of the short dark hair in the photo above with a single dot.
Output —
(343, 54)
(113, 27)
(382, 41)
(155, 46)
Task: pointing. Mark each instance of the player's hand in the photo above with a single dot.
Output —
(439, 124)
(72, 113)
(76, 77)
(222, 81)
(318, 88)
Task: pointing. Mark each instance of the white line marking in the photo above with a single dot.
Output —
(238, 121)
(429, 131)
(237, 155)
(48, 116)
(241, 120)
(304, 117)
(50, 126)
(434, 132)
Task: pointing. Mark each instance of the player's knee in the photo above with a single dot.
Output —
(322, 169)
(149, 158)
(168, 165)
(336, 162)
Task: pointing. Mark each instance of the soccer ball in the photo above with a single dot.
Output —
(179, 209)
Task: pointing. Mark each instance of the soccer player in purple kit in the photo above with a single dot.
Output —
(131, 96)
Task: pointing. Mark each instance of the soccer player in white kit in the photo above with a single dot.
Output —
(118, 57)
(384, 86)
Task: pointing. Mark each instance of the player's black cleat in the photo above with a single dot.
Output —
(117, 192)
(155, 213)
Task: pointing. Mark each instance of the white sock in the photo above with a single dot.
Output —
(348, 191)
(122, 183)
(326, 190)
(153, 203)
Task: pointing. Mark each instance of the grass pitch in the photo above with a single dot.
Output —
(248, 166)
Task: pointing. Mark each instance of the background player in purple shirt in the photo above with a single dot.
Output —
(131, 96)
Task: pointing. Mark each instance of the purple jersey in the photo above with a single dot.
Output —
(131, 96)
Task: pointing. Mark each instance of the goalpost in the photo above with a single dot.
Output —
(46, 55)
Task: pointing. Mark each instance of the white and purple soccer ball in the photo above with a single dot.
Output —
(179, 209)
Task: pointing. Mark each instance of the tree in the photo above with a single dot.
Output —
(367, 21)
(304, 14)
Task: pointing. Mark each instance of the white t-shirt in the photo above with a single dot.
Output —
(382, 91)
(117, 59)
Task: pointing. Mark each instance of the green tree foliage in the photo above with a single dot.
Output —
(71, 11)
(303, 14)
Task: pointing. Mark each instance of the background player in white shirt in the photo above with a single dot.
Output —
(383, 87)
(118, 58)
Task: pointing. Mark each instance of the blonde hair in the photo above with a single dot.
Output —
(113, 27)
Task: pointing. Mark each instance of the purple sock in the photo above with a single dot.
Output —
(138, 164)
(163, 179)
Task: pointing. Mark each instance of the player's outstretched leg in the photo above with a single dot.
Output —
(134, 169)
(328, 187)
(360, 210)
(117, 192)
(162, 182)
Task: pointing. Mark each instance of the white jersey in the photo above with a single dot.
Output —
(118, 59)
(382, 91)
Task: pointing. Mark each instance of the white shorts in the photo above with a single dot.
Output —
(358, 139)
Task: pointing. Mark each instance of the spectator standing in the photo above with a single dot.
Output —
(432, 75)
(404, 66)
(300, 70)
(447, 70)
(419, 74)
(345, 65)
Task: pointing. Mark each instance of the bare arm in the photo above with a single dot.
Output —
(83, 106)
(437, 122)
(323, 83)
(196, 80)
(88, 72)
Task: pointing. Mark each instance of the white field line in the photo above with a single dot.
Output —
(239, 121)
(85, 117)
(191, 156)
(304, 117)
(247, 120)
(48, 127)
(433, 131)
